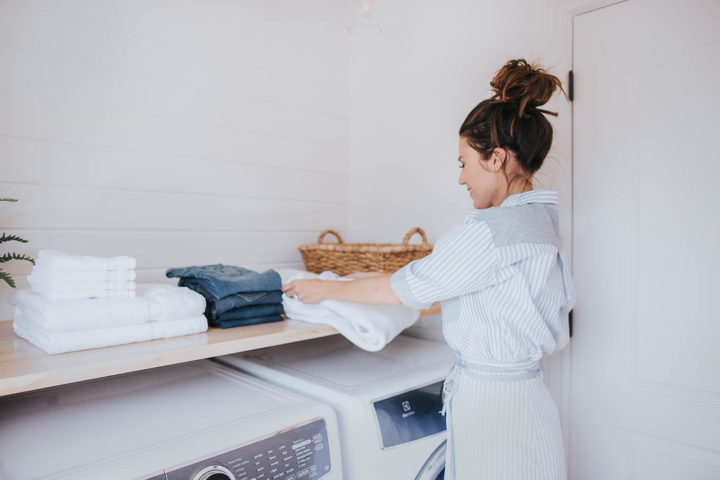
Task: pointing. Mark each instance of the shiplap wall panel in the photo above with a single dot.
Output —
(95, 85)
(183, 42)
(162, 249)
(70, 207)
(42, 117)
(180, 132)
(102, 167)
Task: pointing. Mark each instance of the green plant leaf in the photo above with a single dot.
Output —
(8, 199)
(10, 238)
(6, 257)
(6, 276)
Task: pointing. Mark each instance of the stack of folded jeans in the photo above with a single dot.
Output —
(62, 276)
(235, 296)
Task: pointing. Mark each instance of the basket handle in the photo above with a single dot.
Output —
(412, 232)
(322, 235)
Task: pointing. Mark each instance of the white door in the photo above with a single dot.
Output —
(646, 233)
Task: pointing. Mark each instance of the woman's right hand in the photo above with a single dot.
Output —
(309, 290)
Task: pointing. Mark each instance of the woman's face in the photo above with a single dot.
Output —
(482, 177)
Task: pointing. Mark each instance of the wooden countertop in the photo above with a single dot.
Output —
(24, 367)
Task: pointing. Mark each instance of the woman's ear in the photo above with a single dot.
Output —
(497, 159)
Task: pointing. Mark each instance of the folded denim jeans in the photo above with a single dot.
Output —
(247, 312)
(241, 322)
(218, 281)
(243, 299)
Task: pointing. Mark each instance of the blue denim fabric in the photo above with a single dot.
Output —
(243, 313)
(240, 322)
(218, 281)
(238, 300)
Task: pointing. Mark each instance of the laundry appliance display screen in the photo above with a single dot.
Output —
(410, 415)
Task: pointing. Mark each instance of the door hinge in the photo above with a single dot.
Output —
(571, 86)
(570, 322)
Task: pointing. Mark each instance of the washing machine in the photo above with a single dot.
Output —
(195, 421)
(388, 402)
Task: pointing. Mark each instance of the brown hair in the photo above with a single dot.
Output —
(511, 119)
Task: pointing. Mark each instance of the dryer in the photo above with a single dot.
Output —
(388, 402)
(195, 421)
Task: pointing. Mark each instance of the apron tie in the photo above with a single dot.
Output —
(499, 372)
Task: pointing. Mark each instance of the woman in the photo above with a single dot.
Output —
(504, 287)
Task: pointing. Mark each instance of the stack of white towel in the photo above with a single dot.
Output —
(79, 302)
(61, 276)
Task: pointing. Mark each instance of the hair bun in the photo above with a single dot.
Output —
(524, 84)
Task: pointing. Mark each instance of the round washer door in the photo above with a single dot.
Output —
(434, 467)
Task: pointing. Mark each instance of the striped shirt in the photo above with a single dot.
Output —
(505, 293)
(502, 281)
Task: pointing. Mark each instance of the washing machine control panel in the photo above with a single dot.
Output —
(299, 453)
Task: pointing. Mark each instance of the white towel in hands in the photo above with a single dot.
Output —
(156, 302)
(67, 261)
(370, 327)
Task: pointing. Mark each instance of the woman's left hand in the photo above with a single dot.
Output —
(308, 291)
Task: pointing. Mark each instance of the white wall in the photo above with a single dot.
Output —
(178, 132)
(411, 88)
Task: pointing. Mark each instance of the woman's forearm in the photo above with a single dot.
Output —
(374, 290)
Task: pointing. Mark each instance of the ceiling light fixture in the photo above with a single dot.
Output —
(364, 24)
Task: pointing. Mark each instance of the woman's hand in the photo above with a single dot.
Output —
(375, 289)
(308, 291)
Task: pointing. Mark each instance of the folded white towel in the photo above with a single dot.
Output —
(370, 327)
(62, 260)
(169, 302)
(64, 275)
(157, 302)
(61, 342)
(69, 290)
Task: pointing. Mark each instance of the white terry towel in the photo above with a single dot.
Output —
(57, 290)
(64, 275)
(62, 342)
(370, 327)
(62, 260)
(157, 302)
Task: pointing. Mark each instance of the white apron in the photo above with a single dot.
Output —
(502, 424)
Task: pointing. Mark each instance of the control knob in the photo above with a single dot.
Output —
(214, 472)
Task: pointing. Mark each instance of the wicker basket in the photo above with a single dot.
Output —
(344, 258)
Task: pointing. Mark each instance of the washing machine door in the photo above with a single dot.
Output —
(434, 467)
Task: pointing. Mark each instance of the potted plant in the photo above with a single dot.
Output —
(6, 257)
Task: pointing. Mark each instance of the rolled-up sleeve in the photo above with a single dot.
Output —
(464, 260)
